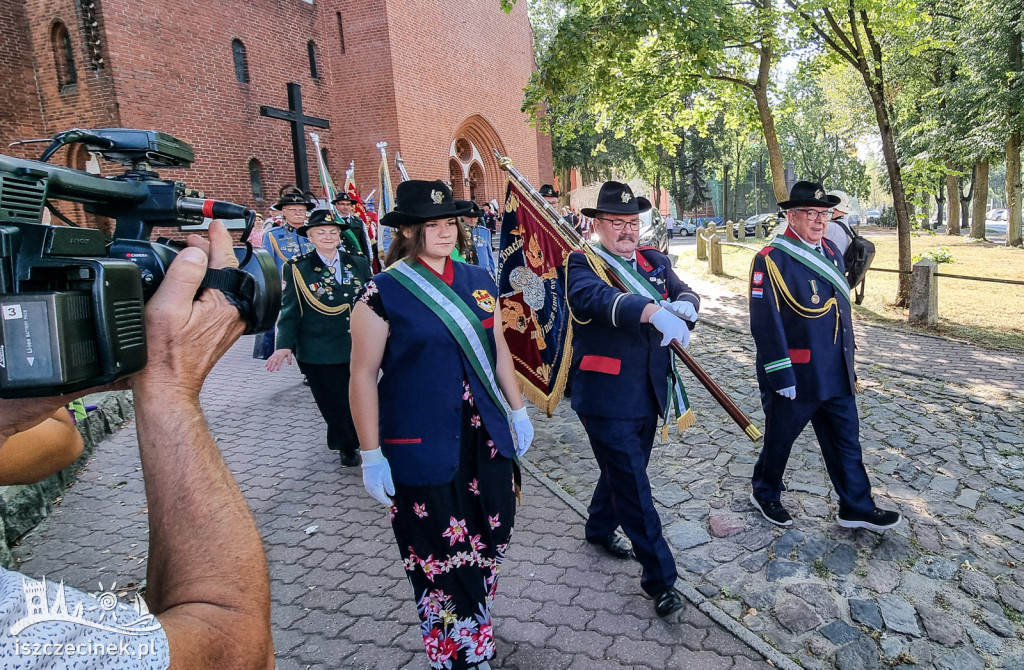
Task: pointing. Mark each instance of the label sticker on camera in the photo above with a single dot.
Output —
(12, 312)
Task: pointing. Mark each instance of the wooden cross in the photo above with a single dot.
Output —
(298, 121)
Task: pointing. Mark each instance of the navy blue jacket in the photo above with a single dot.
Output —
(420, 391)
(813, 354)
(620, 369)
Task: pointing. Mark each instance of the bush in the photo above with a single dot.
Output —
(940, 255)
(888, 218)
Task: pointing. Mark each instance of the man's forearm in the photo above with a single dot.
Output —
(204, 549)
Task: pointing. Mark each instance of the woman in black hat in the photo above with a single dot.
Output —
(434, 431)
(319, 290)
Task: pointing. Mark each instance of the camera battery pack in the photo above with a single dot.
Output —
(46, 340)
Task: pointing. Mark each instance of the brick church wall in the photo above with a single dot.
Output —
(20, 116)
(482, 60)
(168, 66)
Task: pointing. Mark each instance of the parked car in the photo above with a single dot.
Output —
(685, 227)
(997, 214)
(872, 216)
(653, 232)
(765, 221)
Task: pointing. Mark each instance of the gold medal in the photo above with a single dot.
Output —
(815, 299)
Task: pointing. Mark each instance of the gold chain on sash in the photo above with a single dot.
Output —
(779, 286)
(311, 299)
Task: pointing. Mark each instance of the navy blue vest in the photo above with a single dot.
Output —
(420, 392)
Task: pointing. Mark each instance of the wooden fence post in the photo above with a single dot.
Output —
(715, 260)
(729, 235)
(924, 293)
(702, 245)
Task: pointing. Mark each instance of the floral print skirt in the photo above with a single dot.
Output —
(453, 539)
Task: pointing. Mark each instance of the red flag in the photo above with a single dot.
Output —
(531, 281)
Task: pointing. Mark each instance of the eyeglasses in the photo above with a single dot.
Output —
(823, 214)
(618, 224)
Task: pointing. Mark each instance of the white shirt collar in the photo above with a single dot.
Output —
(335, 263)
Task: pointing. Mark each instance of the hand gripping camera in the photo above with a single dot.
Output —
(71, 301)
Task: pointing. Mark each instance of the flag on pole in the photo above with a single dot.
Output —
(531, 283)
(386, 201)
(366, 215)
(350, 240)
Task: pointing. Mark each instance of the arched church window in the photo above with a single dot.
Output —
(311, 50)
(63, 56)
(255, 179)
(241, 61)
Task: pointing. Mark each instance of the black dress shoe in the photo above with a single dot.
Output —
(614, 544)
(667, 601)
(350, 458)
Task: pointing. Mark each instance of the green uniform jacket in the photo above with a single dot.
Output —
(316, 308)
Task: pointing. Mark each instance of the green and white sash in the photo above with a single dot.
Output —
(460, 320)
(640, 286)
(806, 255)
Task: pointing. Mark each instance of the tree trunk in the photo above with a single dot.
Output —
(940, 205)
(771, 138)
(764, 110)
(899, 195)
(980, 200)
(953, 196)
(965, 199)
(725, 195)
(1013, 223)
(926, 223)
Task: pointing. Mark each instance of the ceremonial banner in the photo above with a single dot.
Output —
(367, 216)
(531, 281)
(386, 201)
(352, 243)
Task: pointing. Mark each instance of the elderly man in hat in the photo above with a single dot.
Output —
(800, 320)
(623, 377)
(348, 220)
(319, 290)
(282, 239)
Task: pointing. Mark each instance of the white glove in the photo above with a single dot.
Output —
(377, 476)
(681, 308)
(672, 327)
(788, 392)
(523, 430)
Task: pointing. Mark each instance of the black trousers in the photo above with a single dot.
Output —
(329, 384)
(837, 428)
(622, 449)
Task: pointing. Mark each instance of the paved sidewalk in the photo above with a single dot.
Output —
(945, 590)
(340, 597)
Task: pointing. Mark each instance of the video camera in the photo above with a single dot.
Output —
(71, 301)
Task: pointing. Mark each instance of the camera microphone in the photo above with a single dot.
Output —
(211, 209)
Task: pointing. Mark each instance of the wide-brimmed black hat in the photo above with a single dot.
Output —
(617, 198)
(418, 200)
(343, 197)
(808, 194)
(319, 217)
(290, 195)
(548, 191)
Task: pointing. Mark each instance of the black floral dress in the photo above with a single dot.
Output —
(453, 538)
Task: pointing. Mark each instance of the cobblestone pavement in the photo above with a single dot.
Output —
(980, 369)
(340, 599)
(947, 450)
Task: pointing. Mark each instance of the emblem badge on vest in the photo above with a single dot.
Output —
(484, 300)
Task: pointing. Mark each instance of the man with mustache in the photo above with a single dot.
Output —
(623, 379)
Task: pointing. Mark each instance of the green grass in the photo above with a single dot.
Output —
(983, 313)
